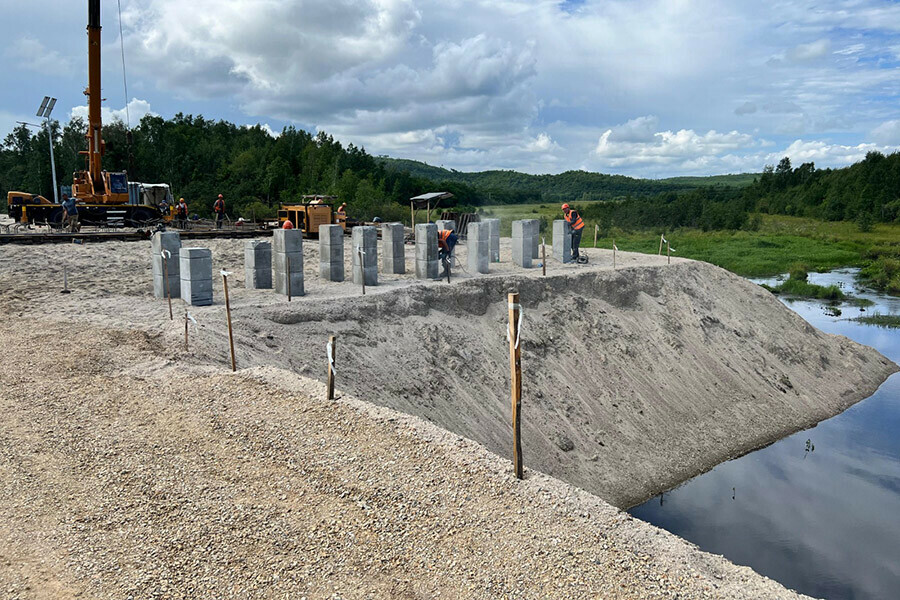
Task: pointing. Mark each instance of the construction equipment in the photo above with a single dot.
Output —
(313, 212)
(101, 196)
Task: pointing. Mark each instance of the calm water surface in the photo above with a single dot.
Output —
(818, 511)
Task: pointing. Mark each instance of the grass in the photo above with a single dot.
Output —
(890, 321)
(780, 243)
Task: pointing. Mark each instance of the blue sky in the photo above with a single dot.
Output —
(648, 88)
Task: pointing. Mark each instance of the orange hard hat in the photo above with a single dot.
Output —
(220, 196)
(287, 225)
(565, 207)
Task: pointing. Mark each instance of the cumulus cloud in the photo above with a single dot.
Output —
(887, 133)
(137, 110)
(827, 155)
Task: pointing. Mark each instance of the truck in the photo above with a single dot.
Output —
(315, 210)
(101, 197)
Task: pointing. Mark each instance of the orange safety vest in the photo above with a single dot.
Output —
(575, 222)
(443, 234)
(219, 206)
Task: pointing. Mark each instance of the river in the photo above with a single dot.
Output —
(818, 511)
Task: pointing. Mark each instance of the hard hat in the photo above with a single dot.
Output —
(181, 199)
(565, 207)
(220, 196)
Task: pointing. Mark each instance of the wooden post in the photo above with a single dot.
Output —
(287, 266)
(362, 271)
(331, 359)
(544, 254)
(65, 289)
(661, 237)
(668, 254)
(185, 330)
(168, 288)
(412, 212)
(515, 369)
(228, 313)
(614, 254)
(429, 212)
(596, 231)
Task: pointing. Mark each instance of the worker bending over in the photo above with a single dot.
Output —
(577, 225)
(447, 240)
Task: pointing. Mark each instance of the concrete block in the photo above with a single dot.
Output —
(562, 241)
(393, 251)
(427, 269)
(366, 238)
(369, 273)
(172, 267)
(478, 243)
(257, 255)
(494, 235)
(280, 262)
(159, 286)
(426, 244)
(331, 271)
(281, 279)
(521, 229)
(534, 227)
(331, 235)
(287, 240)
(443, 224)
(331, 252)
(197, 292)
(258, 279)
(195, 264)
(165, 240)
(521, 252)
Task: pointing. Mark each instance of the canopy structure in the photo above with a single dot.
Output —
(426, 201)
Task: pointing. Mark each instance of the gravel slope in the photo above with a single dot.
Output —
(127, 473)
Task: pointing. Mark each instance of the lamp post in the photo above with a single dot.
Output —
(44, 112)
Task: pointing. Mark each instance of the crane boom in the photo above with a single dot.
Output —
(95, 140)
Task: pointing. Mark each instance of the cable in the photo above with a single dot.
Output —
(124, 75)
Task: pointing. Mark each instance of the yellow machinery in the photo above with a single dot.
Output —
(101, 196)
(309, 215)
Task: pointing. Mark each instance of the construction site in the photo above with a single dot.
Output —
(316, 407)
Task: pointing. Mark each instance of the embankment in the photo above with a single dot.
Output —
(634, 380)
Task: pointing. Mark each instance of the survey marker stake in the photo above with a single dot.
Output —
(225, 275)
(330, 351)
(362, 271)
(544, 254)
(287, 266)
(515, 369)
(65, 289)
(165, 256)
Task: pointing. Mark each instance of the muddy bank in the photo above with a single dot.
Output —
(635, 380)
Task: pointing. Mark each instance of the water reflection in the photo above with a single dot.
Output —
(818, 511)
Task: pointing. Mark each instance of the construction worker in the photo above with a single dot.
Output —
(70, 213)
(287, 225)
(447, 239)
(577, 225)
(181, 212)
(219, 209)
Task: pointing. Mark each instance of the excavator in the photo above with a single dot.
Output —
(102, 197)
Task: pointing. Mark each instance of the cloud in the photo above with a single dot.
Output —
(30, 54)
(137, 110)
(747, 108)
(887, 133)
(810, 51)
(827, 155)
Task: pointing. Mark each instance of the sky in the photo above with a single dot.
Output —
(647, 88)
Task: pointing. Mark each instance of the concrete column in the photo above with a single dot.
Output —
(426, 251)
(535, 228)
(392, 249)
(258, 265)
(522, 244)
(478, 241)
(562, 241)
(331, 252)
(494, 233)
(287, 246)
(443, 224)
(170, 241)
(366, 238)
(196, 276)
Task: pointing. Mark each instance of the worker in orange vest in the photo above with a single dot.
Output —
(219, 208)
(577, 225)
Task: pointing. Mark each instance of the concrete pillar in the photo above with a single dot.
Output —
(331, 252)
(287, 246)
(521, 244)
(170, 241)
(534, 226)
(426, 251)
(478, 241)
(443, 224)
(393, 251)
(562, 241)
(366, 238)
(494, 233)
(196, 276)
(258, 265)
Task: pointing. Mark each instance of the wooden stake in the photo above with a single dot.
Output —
(228, 313)
(515, 369)
(168, 286)
(614, 254)
(544, 255)
(185, 330)
(428, 214)
(661, 237)
(412, 213)
(287, 266)
(596, 231)
(331, 360)
(668, 254)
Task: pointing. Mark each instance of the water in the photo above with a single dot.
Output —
(818, 511)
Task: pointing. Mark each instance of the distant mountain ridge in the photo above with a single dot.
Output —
(582, 185)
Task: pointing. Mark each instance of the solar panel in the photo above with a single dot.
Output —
(40, 111)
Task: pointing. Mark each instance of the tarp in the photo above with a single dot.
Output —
(431, 198)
